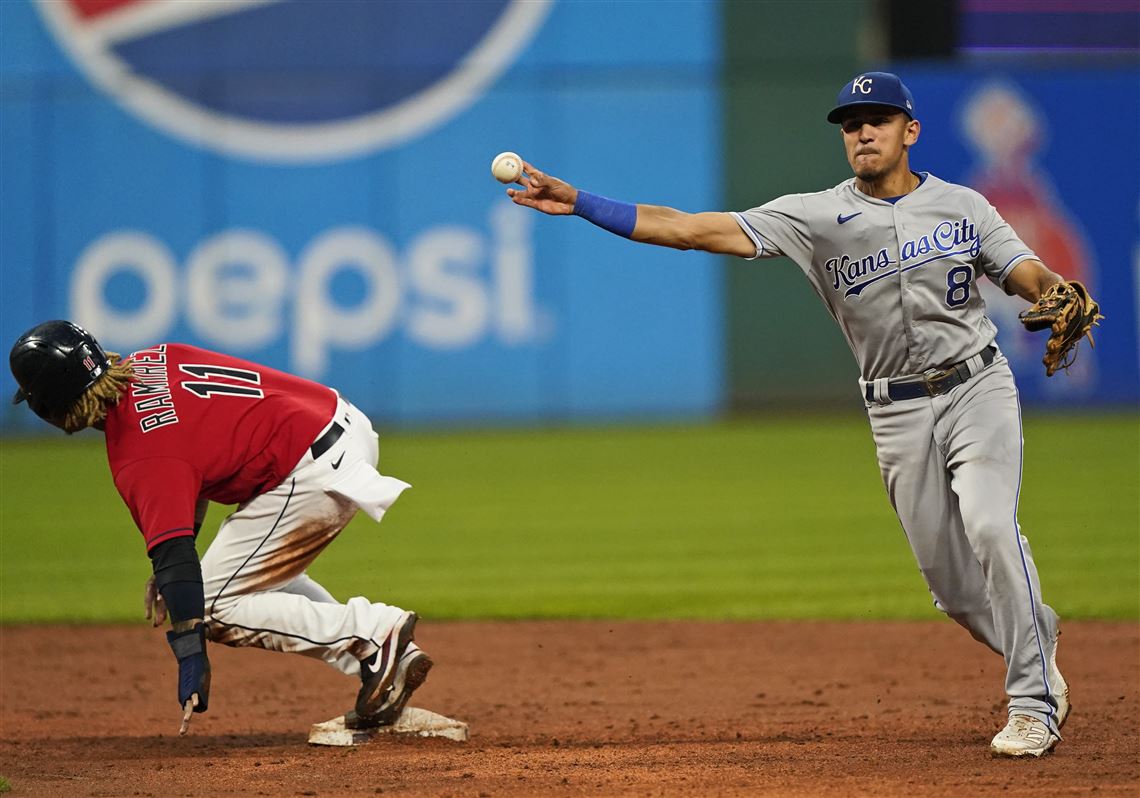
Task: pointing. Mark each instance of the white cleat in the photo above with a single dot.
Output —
(1024, 735)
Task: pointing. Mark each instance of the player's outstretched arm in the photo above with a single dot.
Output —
(650, 224)
(709, 231)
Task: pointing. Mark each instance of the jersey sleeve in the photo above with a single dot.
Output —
(161, 493)
(778, 228)
(1000, 247)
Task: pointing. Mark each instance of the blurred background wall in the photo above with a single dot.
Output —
(1037, 105)
(307, 184)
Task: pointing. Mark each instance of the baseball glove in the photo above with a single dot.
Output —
(1068, 311)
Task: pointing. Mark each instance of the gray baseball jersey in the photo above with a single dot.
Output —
(899, 278)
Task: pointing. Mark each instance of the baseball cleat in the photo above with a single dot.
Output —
(411, 672)
(1024, 735)
(379, 671)
(1060, 689)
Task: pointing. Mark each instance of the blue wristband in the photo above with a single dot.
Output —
(617, 217)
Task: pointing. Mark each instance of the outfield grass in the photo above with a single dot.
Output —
(765, 518)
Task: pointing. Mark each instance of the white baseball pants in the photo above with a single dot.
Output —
(257, 591)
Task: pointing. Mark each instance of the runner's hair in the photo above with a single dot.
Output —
(90, 409)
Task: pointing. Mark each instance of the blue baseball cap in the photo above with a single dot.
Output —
(873, 88)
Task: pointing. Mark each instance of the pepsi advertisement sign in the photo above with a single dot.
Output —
(258, 79)
(307, 185)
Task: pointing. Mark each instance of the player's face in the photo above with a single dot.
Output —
(876, 139)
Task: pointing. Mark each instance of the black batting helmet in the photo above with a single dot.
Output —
(54, 363)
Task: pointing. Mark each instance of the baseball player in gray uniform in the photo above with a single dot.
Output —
(895, 256)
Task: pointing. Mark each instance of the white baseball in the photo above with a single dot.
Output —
(507, 167)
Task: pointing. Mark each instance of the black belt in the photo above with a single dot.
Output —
(933, 382)
(326, 441)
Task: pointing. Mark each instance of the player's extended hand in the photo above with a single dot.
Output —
(187, 712)
(155, 604)
(193, 671)
(543, 192)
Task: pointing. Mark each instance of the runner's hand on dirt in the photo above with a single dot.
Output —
(187, 713)
(189, 647)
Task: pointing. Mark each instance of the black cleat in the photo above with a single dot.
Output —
(378, 677)
(411, 672)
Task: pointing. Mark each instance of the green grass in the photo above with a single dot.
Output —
(782, 517)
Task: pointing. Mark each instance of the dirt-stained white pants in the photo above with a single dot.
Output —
(257, 591)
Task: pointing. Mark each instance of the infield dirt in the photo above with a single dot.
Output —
(575, 708)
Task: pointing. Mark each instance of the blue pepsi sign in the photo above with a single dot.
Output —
(307, 185)
(293, 80)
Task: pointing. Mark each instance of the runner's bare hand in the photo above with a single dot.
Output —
(155, 604)
(187, 713)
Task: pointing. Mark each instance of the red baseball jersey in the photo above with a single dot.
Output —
(199, 423)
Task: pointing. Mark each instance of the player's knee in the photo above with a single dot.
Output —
(218, 611)
(971, 614)
(990, 536)
(218, 630)
(963, 608)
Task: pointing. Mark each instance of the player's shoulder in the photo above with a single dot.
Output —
(176, 352)
(820, 207)
(160, 351)
(937, 185)
(840, 192)
(191, 350)
(810, 202)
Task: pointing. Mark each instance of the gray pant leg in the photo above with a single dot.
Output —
(981, 433)
(918, 485)
(951, 466)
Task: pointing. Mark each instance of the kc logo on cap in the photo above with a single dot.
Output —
(873, 88)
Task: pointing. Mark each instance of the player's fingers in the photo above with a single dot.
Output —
(530, 174)
(187, 713)
(535, 176)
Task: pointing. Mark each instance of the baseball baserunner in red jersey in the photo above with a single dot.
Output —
(186, 426)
